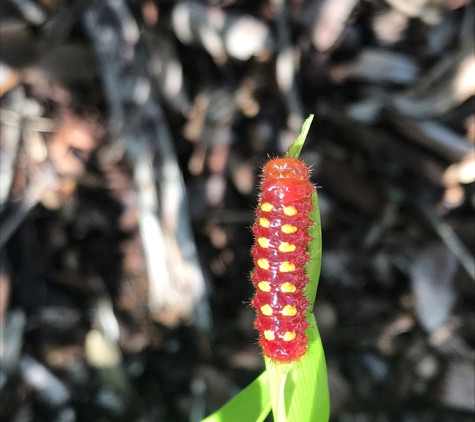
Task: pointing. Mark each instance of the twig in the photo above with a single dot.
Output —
(450, 238)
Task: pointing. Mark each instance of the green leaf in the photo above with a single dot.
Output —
(296, 147)
(251, 404)
(314, 265)
(299, 390)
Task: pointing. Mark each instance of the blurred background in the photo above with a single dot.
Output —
(132, 137)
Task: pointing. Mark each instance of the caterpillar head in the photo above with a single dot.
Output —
(286, 168)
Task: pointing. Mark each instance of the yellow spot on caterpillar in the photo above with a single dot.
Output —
(287, 288)
(289, 310)
(287, 229)
(290, 211)
(266, 310)
(263, 242)
(264, 286)
(264, 222)
(289, 336)
(269, 335)
(266, 207)
(286, 247)
(263, 263)
(285, 267)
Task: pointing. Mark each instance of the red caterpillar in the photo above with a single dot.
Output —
(280, 254)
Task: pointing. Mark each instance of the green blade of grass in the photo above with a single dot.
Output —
(314, 265)
(251, 404)
(296, 147)
(299, 390)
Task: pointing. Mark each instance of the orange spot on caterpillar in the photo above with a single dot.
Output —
(263, 263)
(264, 286)
(286, 267)
(289, 310)
(266, 310)
(266, 207)
(288, 288)
(290, 211)
(269, 335)
(288, 229)
(263, 242)
(289, 336)
(264, 222)
(286, 247)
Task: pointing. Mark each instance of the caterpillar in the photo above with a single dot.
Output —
(280, 254)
